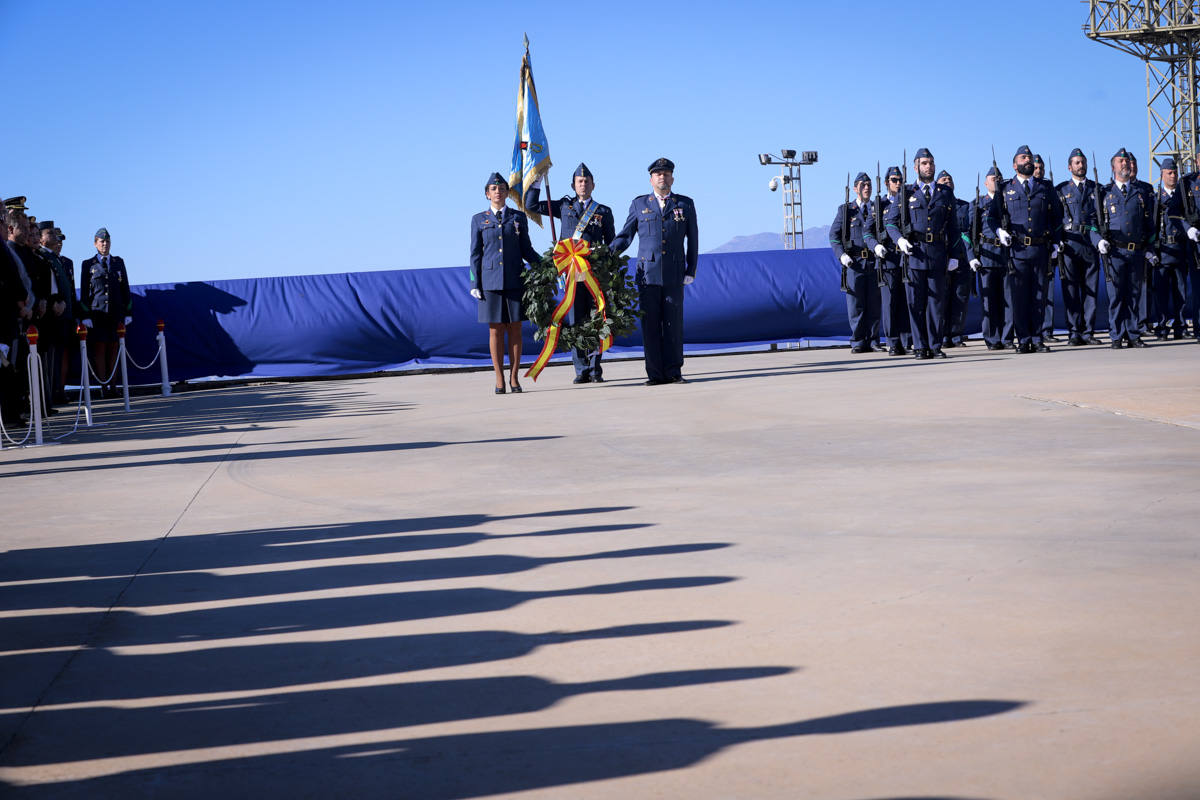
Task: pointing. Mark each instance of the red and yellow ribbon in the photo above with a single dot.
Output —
(570, 259)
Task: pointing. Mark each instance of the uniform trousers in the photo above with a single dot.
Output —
(1123, 293)
(1047, 295)
(662, 330)
(893, 309)
(958, 297)
(1169, 285)
(996, 300)
(1026, 290)
(926, 292)
(862, 301)
(587, 364)
(1080, 288)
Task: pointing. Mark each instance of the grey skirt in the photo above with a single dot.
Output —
(501, 305)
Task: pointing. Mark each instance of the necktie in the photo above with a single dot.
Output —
(927, 194)
(1124, 190)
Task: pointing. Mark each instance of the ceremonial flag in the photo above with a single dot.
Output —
(531, 152)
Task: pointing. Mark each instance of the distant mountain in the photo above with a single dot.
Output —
(814, 237)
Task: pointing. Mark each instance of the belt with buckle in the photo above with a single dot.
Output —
(930, 238)
(1029, 241)
(864, 254)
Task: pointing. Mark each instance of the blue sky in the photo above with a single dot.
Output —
(225, 140)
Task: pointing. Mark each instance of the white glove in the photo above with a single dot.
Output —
(87, 323)
(562, 284)
(1054, 251)
(881, 251)
(478, 295)
(4, 352)
(1151, 258)
(1103, 247)
(953, 265)
(1193, 234)
(846, 260)
(128, 320)
(903, 244)
(976, 264)
(1004, 236)
(687, 280)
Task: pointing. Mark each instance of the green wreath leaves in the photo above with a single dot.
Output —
(620, 296)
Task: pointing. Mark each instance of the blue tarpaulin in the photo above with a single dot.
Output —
(355, 322)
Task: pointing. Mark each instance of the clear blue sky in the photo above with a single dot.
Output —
(223, 140)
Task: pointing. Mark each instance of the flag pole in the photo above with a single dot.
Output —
(549, 196)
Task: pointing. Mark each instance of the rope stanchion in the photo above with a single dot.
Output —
(122, 358)
(35, 384)
(162, 356)
(85, 384)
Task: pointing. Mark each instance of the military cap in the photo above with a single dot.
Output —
(1122, 153)
(1077, 152)
(862, 178)
(1169, 163)
(1133, 158)
(102, 234)
(582, 171)
(496, 179)
(923, 153)
(662, 165)
(1023, 150)
(45, 225)
(943, 174)
(1037, 159)
(994, 172)
(62, 237)
(16, 203)
(894, 172)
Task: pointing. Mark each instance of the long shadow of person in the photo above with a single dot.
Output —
(199, 343)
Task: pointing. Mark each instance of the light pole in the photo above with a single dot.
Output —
(789, 177)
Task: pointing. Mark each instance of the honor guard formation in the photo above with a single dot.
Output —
(37, 289)
(913, 254)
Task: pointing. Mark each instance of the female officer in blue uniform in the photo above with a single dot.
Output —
(500, 247)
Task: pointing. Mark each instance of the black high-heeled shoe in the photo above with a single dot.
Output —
(515, 388)
(499, 390)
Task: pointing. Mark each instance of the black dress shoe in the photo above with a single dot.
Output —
(515, 388)
(1091, 339)
(927, 353)
(892, 351)
(582, 379)
(1049, 337)
(1178, 335)
(1160, 337)
(900, 351)
(653, 382)
(597, 379)
(1137, 343)
(678, 379)
(938, 354)
(1040, 347)
(861, 348)
(1116, 345)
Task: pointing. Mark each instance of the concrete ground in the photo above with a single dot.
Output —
(806, 574)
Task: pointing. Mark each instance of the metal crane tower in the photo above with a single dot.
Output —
(1166, 35)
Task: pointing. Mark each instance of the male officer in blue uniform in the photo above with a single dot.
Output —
(1191, 187)
(1047, 291)
(1079, 273)
(856, 258)
(1145, 307)
(1168, 280)
(1035, 216)
(668, 250)
(893, 305)
(1123, 237)
(958, 289)
(927, 241)
(582, 218)
(994, 286)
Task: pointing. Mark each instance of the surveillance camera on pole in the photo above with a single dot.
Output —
(789, 178)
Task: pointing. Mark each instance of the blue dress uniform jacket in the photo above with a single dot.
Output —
(995, 291)
(862, 295)
(668, 240)
(1128, 225)
(498, 256)
(601, 228)
(120, 301)
(1168, 281)
(958, 295)
(1035, 224)
(1080, 270)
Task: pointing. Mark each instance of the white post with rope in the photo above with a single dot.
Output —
(35, 384)
(85, 383)
(162, 358)
(122, 355)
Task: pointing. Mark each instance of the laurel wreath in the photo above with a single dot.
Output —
(620, 296)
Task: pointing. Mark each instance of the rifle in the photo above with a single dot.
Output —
(1101, 223)
(1054, 262)
(905, 220)
(846, 232)
(976, 231)
(880, 235)
(1005, 218)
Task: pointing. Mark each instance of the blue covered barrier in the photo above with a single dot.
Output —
(355, 322)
